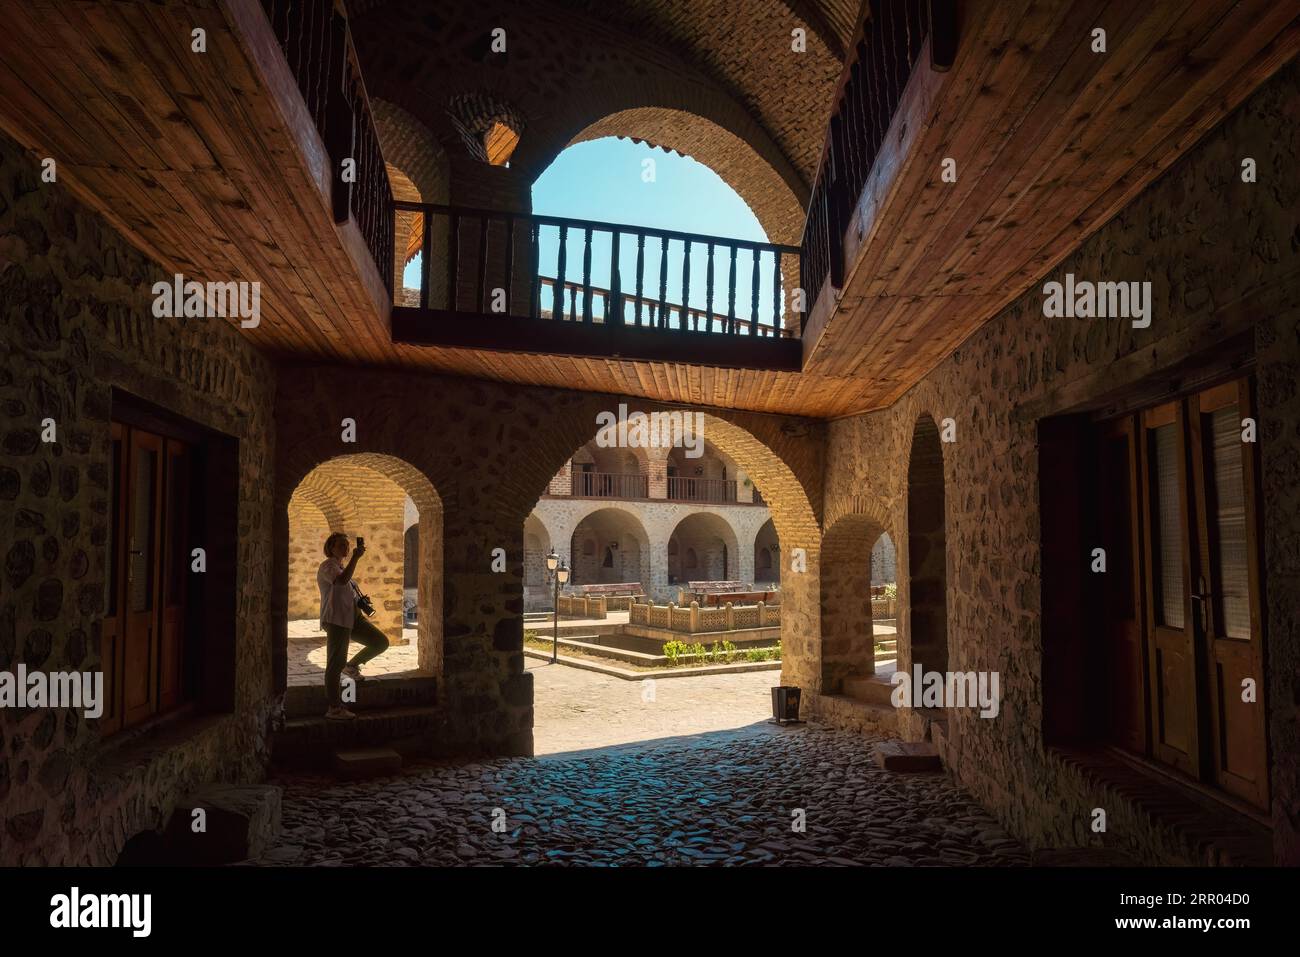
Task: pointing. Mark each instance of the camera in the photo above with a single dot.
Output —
(361, 541)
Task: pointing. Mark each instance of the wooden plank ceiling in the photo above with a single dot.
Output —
(203, 162)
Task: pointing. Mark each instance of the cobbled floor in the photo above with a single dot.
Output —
(743, 793)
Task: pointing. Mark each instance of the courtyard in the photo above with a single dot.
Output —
(694, 777)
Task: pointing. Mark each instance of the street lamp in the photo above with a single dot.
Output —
(561, 573)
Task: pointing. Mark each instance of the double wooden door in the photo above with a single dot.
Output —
(143, 634)
(1183, 590)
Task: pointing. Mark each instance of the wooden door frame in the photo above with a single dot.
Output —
(139, 439)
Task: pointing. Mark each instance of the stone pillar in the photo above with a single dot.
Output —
(562, 483)
(483, 186)
(657, 463)
(488, 694)
(657, 586)
(745, 563)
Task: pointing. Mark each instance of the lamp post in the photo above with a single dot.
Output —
(561, 573)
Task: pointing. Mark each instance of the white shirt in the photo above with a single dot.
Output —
(338, 602)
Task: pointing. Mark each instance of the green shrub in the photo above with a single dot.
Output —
(673, 649)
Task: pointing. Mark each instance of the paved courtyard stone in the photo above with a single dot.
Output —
(695, 777)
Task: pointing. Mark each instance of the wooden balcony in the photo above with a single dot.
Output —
(712, 491)
(611, 485)
(636, 292)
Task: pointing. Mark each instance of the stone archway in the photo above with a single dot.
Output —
(609, 545)
(367, 494)
(767, 555)
(706, 548)
(848, 635)
(926, 624)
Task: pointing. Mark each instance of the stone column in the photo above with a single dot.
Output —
(657, 463)
(482, 186)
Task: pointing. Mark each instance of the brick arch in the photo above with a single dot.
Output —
(629, 524)
(317, 496)
(418, 172)
(365, 493)
(776, 202)
(706, 523)
(848, 645)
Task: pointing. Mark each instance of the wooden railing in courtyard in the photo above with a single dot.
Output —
(881, 62)
(586, 272)
(693, 619)
(683, 488)
(318, 46)
(611, 485)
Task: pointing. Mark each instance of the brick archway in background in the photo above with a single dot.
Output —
(365, 493)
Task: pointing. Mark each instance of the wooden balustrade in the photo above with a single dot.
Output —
(318, 46)
(888, 45)
(683, 488)
(611, 485)
(493, 263)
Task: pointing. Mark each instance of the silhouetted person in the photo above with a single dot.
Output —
(341, 623)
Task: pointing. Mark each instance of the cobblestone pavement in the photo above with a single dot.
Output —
(690, 795)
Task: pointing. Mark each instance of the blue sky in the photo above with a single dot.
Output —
(603, 180)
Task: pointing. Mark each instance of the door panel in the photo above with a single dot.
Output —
(1227, 575)
(1175, 734)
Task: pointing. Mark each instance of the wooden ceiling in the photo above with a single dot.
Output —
(203, 161)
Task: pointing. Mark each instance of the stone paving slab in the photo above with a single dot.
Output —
(694, 777)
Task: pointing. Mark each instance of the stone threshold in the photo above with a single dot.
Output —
(731, 669)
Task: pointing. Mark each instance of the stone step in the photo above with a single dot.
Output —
(385, 691)
(239, 822)
(313, 741)
(873, 689)
(366, 763)
(907, 756)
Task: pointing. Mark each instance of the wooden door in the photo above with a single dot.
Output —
(1171, 635)
(143, 528)
(1122, 594)
(1227, 593)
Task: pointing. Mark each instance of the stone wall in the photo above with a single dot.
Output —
(75, 305)
(1222, 257)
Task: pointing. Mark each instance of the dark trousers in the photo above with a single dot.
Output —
(375, 642)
